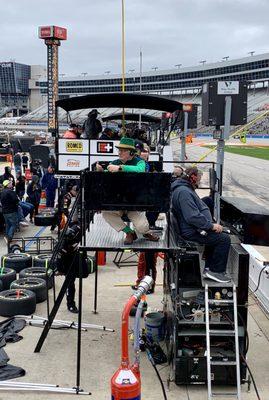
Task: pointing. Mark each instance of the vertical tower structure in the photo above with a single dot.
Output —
(52, 36)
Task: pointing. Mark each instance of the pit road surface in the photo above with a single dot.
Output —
(243, 176)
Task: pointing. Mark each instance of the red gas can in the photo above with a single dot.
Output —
(125, 385)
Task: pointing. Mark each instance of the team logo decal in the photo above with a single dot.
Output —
(104, 147)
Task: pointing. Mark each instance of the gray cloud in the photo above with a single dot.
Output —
(168, 31)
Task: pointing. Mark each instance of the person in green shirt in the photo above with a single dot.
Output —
(128, 162)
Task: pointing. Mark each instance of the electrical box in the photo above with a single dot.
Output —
(213, 102)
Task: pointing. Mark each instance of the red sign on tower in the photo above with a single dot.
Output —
(52, 32)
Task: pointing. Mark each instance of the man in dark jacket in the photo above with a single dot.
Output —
(92, 126)
(34, 195)
(9, 201)
(25, 160)
(7, 176)
(49, 183)
(196, 223)
(107, 134)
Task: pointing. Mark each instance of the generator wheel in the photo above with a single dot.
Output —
(16, 261)
(36, 272)
(15, 248)
(17, 302)
(7, 275)
(36, 285)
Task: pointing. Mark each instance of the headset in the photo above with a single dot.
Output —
(192, 176)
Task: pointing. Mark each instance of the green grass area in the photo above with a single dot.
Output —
(250, 151)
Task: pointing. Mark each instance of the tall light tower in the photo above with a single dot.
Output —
(52, 36)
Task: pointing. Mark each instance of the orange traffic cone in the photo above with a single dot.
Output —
(42, 203)
(101, 258)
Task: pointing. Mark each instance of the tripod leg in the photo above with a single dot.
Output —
(54, 310)
(81, 255)
(95, 285)
(48, 301)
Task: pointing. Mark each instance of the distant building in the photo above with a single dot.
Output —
(14, 87)
(17, 81)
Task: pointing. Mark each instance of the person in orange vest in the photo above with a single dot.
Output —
(72, 132)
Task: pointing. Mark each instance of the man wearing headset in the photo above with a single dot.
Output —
(195, 223)
(128, 162)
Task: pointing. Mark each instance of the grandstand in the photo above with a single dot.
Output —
(183, 85)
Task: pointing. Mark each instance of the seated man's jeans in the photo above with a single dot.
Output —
(218, 246)
(11, 221)
(24, 209)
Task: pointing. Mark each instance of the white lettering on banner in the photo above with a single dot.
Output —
(228, 87)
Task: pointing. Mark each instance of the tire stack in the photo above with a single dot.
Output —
(19, 297)
(45, 217)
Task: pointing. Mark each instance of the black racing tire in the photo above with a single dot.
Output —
(41, 260)
(17, 302)
(36, 285)
(45, 218)
(36, 272)
(7, 275)
(17, 262)
(91, 264)
(15, 248)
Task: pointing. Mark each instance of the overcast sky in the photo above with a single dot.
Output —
(168, 31)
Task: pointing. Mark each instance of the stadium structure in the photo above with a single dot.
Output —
(184, 84)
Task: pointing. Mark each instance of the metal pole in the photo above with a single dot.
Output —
(81, 255)
(183, 137)
(123, 55)
(220, 155)
(140, 85)
(96, 284)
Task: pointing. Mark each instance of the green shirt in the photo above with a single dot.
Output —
(136, 164)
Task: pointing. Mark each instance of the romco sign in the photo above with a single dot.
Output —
(52, 32)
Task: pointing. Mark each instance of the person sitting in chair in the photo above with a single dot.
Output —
(128, 162)
(195, 223)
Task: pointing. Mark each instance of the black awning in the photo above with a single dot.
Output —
(132, 117)
(118, 100)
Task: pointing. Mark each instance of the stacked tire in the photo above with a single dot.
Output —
(37, 272)
(17, 262)
(19, 297)
(36, 285)
(17, 302)
(7, 276)
(45, 217)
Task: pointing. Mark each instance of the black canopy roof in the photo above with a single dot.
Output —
(132, 117)
(115, 100)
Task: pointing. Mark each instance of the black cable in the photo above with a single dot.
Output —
(252, 377)
(157, 372)
(259, 279)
